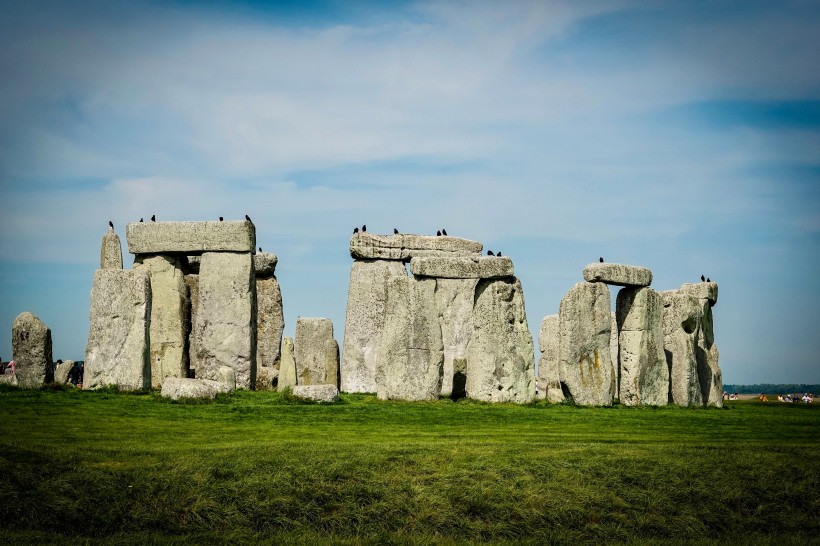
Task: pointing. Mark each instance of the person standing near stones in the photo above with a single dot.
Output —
(9, 368)
(74, 374)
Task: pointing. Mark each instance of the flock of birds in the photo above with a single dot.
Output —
(154, 219)
(440, 233)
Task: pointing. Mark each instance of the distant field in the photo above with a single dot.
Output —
(103, 467)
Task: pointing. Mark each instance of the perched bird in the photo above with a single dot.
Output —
(153, 217)
(498, 254)
(355, 230)
(395, 231)
(140, 220)
(702, 278)
(490, 253)
(248, 218)
(601, 260)
(111, 224)
(221, 219)
(364, 228)
(443, 231)
(708, 279)
(438, 234)
(260, 249)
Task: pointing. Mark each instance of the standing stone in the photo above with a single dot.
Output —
(118, 348)
(500, 354)
(454, 301)
(61, 372)
(271, 322)
(711, 378)
(584, 330)
(681, 315)
(192, 283)
(549, 380)
(644, 374)
(411, 353)
(287, 366)
(224, 331)
(111, 251)
(613, 351)
(169, 316)
(364, 321)
(317, 355)
(31, 347)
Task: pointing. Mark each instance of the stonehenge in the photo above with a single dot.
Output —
(200, 312)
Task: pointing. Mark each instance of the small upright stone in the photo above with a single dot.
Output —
(111, 251)
(644, 374)
(317, 355)
(618, 274)
(584, 329)
(61, 372)
(287, 366)
(31, 346)
(549, 380)
(117, 350)
(270, 322)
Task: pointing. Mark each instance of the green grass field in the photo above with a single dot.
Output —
(104, 467)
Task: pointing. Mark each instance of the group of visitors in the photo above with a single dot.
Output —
(733, 396)
(75, 374)
(6, 368)
(807, 398)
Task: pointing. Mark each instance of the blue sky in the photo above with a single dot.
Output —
(680, 136)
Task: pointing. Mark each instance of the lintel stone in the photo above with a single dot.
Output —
(447, 267)
(406, 246)
(165, 237)
(702, 291)
(618, 274)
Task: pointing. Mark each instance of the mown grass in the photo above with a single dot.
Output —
(107, 467)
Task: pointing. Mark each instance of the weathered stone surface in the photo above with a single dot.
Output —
(31, 345)
(266, 378)
(549, 379)
(613, 352)
(364, 322)
(584, 329)
(317, 355)
(166, 237)
(264, 263)
(454, 302)
(61, 371)
(111, 251)
(227, 376)
(169, 316)
(618, 274)
(317, 393)
(118, 345)
(368, 246)
(411, 353)
(462, 267)
(681, 316)
(287, 366)
(270, 319)
(192, 284)
(176, 388)
(643, 372)
(224, 329)
(709, 373)
(500, 354)
(702, 291)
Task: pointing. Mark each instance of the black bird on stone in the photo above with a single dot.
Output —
(111, 224)
(395, 231)
(153, 217)
(248, 218)
(221, 219)
(708, 279)
(601, 260)
(490, 253)
(140, 220)
(364, 228)
(444, 232)
(498, 254)
(702, 278)
(438, 233)
(355, 230)
(260, 249)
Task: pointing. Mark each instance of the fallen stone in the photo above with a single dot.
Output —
(644, 374)
(169, 316)
(454, 301)
(190, 237)
(702, 291)
(61, 372)
(584, 329)
(177, 388)
(368, 246)
(111, 251)
(264, 263)
(270, 319)
(549, 379)
(411, 353)
(287, 366)
(364, 322)
(618, 274)
(317, 355)
(462, 267)
(317, 393)
(500, 354)
(31, 346)
(224, 330)
(681, 315)
(118, 345)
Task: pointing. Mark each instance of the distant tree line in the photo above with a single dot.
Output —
(771, 388)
